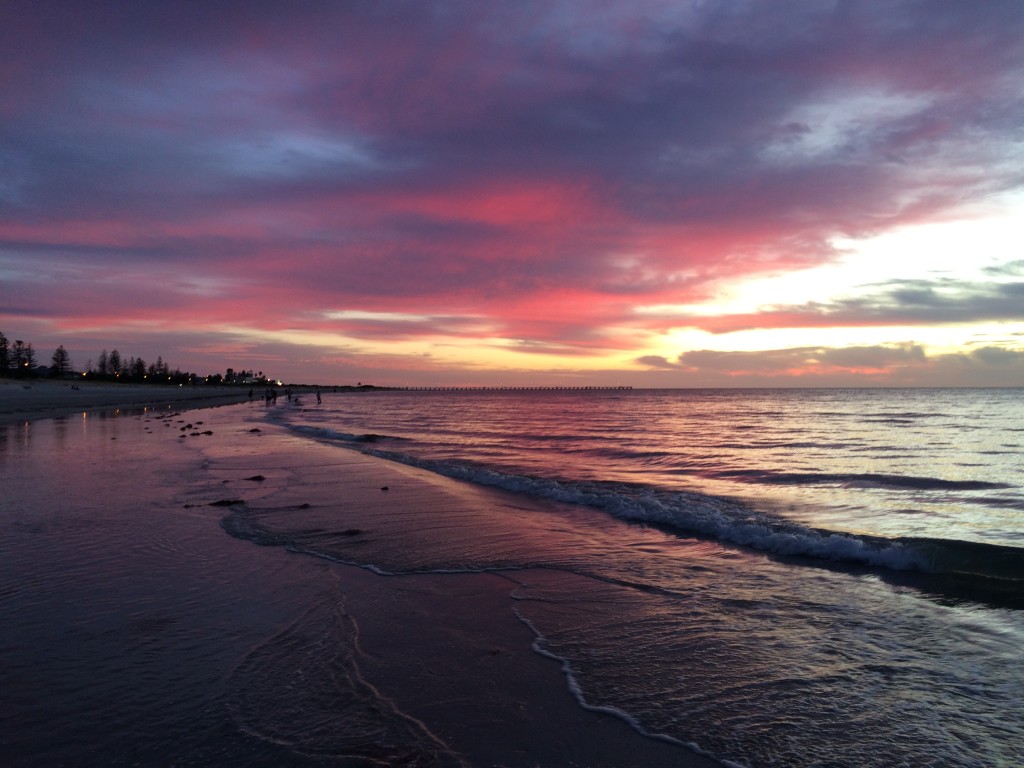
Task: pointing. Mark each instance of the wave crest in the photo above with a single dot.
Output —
(729, 521)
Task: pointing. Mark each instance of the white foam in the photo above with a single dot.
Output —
(577, 691)
(722, 519)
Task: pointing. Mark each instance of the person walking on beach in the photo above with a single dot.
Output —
(318, 397)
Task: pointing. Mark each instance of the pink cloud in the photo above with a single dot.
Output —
(529, 172)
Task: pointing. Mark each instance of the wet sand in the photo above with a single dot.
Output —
(137, 631)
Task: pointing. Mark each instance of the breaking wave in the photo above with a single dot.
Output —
(730, 521)
(862, 479)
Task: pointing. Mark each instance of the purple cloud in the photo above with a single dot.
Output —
(540, 165)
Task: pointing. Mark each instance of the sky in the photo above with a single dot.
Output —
(636, 193)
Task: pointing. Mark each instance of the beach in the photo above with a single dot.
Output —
(642, 578)
(143, 622)
(28, 399)
(781, 577)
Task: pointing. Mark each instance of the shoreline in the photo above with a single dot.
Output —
(127, 548)
(448, 651)
(27, 400)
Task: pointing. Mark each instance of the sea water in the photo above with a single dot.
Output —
(806, 577)
(774, 578)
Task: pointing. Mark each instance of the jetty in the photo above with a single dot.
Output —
(513, 389)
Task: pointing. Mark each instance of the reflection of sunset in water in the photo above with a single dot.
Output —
(585, 523)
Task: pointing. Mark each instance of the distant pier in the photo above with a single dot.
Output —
(511, 389)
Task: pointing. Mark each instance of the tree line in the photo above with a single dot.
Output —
(18, 359)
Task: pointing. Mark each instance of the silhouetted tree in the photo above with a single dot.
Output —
(61, 362)
(18, 356)
(19, 359)
(157, 370)
(23, 358)
(114, 363)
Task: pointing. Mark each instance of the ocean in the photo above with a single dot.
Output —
(805, 577)
(763, 577)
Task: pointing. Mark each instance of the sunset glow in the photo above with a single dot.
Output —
(656, 194)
